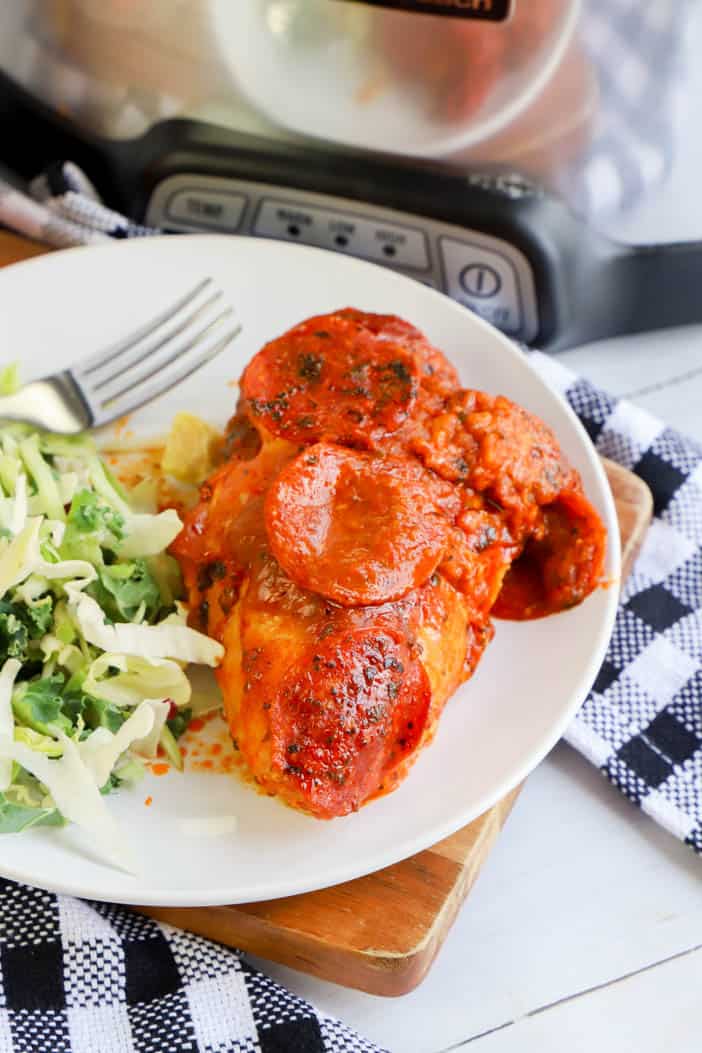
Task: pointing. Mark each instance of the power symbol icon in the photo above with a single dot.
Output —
(477, 279)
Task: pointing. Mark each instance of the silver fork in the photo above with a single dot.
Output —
(147, 363)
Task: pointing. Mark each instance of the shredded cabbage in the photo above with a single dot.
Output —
(147, 745)
(103, 748)
(148, 535)
(20, 505)
(171, 638)
(133, 678)
(47, 490)
(7, 721)
(206, 696)
(93, 641)
(76, 796)
(19, 555)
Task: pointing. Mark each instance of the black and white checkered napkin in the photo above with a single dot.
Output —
(642, 722)
(81, 977)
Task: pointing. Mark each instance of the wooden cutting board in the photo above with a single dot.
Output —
(379, 933)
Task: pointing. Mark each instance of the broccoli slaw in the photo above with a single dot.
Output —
(93, 639)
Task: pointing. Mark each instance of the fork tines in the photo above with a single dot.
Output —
(159, 355)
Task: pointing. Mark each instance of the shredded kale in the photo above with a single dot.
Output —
(89, 515)
(17, 817)
(179, 723)
(122, 588)
(38, 703)
(20, 623)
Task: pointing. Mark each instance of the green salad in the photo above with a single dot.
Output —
(93, 640)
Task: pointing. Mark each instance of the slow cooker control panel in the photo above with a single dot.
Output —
(488, 275)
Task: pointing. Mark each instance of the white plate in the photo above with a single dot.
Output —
(494, 730)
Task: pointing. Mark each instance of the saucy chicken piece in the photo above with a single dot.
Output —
(495, 447)
(559, 566)
(330, 706)
(272, 630)
(223, 534)
(241, 440)
(479, 553)
(370, 520)
(327, 704)
(319, 720)
(550, 537)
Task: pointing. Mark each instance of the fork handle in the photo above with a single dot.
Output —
(52, 403)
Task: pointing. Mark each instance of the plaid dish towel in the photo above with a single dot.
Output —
(642, 722)
(81, 977)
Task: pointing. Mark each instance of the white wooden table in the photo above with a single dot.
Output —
(584, 931)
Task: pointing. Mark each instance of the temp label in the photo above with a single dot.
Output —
(489, 10)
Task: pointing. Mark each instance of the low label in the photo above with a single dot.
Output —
(490, 10)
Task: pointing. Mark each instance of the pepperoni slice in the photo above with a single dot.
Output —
(354, 707)
(356, 527)
(331, 378)
(436, 372)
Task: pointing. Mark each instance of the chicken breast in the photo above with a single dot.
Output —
(349, 552)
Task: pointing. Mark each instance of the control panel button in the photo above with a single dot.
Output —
(358, 235)
(481, 280)
(484, 280)
(219, 209)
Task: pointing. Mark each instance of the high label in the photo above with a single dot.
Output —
(490, 10)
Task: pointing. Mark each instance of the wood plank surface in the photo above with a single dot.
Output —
(379, 933)
(14, 248)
